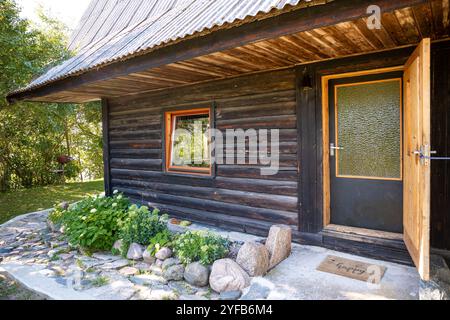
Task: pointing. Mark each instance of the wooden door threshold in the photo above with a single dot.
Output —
(362, 232)
(375, 244)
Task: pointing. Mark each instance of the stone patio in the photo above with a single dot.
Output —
(43, 262)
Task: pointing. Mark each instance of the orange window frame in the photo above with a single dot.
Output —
(169, 118)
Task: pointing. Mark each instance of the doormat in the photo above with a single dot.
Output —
(353, 269)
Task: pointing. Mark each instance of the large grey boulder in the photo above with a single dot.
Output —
(196, 274)
(278, 244)
(174, 272)
(227, 275)
(170, 262)
(135, 251)
(148, 258)
(253, 258)
(163, 253)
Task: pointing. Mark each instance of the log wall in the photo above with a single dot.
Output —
(236, 195)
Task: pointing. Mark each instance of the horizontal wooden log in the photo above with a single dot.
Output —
(120, 110)
(144, 164)
(252, 111)
(270, 122)
(135, 144)
(254, 199)
(284, 147)
(135, 135)
(268, 97)
(236, 171)
(276, 216)
(135, 153)
(232, 223)
(143, 119)
(135, 127)
(288, 188)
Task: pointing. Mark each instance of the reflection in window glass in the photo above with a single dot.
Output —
(190, 146)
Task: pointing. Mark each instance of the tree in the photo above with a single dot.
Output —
(33, 135)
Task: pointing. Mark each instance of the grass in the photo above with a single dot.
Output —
(23, 201)
(11, 290)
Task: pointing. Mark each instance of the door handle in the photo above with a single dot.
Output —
(333, 147)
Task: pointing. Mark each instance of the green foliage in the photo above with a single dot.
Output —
(56, 215)
(116, 252)
(200, 246)
(33, 135)
(164, 218)
(161, 239)
(140, 226)
(100, 281)
(94, 223)
(185, 223)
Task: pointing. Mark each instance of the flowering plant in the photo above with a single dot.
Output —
(94, 223)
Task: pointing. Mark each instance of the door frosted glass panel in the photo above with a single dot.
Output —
(368, 129)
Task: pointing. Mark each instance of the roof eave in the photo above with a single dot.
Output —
(217, 40)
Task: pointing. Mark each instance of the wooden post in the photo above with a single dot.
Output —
(309, 216)
(106, 155)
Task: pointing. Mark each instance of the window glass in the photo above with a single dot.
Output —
(368, 129)
(189, 141)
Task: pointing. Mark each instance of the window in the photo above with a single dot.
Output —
(187, 141)
(368, 127)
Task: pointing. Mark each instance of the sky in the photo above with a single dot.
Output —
(68, 11)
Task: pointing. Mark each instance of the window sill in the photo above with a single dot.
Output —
(190, 174)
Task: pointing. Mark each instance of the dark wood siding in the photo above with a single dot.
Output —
(237, 195)
(440, 133)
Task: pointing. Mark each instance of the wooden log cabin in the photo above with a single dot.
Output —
(359, 91)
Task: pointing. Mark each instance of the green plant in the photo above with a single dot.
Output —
(90, 270)
(100, 281)
(161, 239)
(79, 263)
(185, 223)
(115, 252)
(164, 218)
(56, 215)
(200, 246)
(94, 223)
(54, 257)
(140, 226)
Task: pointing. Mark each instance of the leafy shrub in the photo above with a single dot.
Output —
(140, 226)
(200, 246)
(161, 239)
(56, 215)
(94, 223)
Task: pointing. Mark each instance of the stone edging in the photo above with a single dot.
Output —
(23, 216)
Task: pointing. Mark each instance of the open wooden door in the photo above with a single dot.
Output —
(416, 184)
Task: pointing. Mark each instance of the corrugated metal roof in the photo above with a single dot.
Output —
(112, 30)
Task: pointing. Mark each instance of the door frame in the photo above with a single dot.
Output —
(326, 189)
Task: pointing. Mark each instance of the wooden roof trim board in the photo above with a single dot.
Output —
(216, 40)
